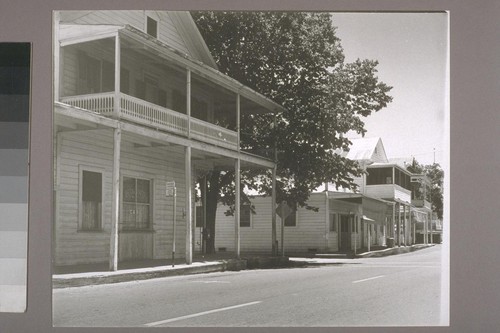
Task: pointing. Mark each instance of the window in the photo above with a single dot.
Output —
(149, 90)
(333, 222)
(136, 204)
(94, 75)
(124, 81)
(152, 27)
(91, 201)
(378, 176)
(245, 215)
(291, 220)
(199, 217)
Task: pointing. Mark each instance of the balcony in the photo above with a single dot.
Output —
(389, 191)
(148, 114)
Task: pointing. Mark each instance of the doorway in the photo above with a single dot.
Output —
(345, 233)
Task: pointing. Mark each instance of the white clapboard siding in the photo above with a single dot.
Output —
(94, 150)
(136, 18)
(310, 232)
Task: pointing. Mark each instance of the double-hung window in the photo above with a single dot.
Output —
(291, 220)
(91, 201)
(245, 215)
(136, 204)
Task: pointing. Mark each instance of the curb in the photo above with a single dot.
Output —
(393, 251)
(103, 278)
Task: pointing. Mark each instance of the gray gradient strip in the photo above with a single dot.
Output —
(13, 217)
(14, 135)
(13, 189)
(13, 162)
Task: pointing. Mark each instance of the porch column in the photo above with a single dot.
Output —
(273, 198)
(189, 215)
(404, 227)
(237, 180)
(204, 203)
(115, 204)
(116, 103)
(369, 227)
(414, 230)
(188, 101)
(398, 228)
(384, 234)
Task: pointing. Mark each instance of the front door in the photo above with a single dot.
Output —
(345, 233)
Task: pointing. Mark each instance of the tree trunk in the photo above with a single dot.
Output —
(213, 187)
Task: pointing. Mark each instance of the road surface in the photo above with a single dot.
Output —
(401, 290)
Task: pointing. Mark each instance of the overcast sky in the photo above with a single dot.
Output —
(412, 52)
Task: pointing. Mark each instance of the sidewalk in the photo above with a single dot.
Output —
(86, 275)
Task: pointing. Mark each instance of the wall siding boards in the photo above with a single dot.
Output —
(94, 150)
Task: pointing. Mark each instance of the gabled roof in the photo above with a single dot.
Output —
(367, 149)
(182, 30)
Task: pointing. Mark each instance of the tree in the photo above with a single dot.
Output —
(296, 60)
(436, 175)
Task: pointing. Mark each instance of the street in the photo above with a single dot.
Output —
(401, 290)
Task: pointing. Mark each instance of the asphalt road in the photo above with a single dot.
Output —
(402, 290)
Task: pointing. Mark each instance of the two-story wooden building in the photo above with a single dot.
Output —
(139, 106)
(390, 207)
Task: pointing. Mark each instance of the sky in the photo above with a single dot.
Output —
(411, 49)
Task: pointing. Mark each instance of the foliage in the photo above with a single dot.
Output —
(436, 175)
(295, 59)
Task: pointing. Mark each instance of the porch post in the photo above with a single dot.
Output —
(115, 204)
(414, 230)
(404, 227)
(188, 101)
(273, 198)
(369, 227)
(204, 203)
(116, 102)
(189, 215)
(237, 180)
(398, 228)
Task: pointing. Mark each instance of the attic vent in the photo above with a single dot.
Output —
(152, 27)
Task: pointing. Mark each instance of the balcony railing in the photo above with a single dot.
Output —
(389, 191)
(149, 114)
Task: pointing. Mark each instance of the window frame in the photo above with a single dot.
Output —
(149, 228)
(250, 218)
(156, 20)
(296, 213)
(81, 170)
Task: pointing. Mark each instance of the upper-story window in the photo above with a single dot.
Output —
(377, 176)
(151, 26)
(94, 75)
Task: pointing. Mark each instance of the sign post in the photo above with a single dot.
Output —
(283, 210)
(171, 191)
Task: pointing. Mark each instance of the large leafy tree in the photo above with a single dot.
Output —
(436, 175)
(295, 59)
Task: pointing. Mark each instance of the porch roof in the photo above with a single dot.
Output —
(70, 118)
(70, 34)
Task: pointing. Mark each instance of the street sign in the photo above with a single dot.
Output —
(284, 209)
(170, 191)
